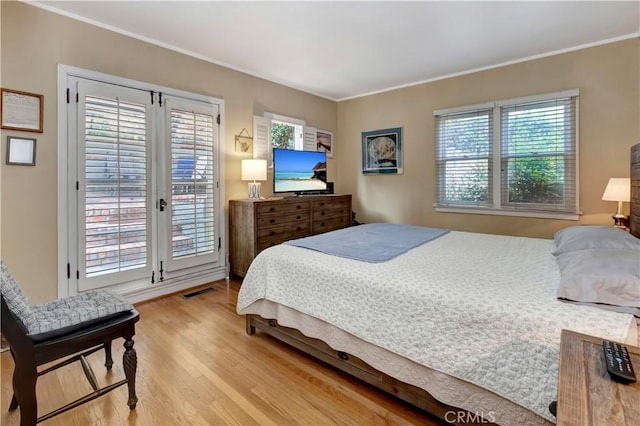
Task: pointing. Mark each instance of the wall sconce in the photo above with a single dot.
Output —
(254, 170)
(618, 189)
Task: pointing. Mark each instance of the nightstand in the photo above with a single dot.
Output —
(586, 393)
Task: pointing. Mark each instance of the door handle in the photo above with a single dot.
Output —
(162, 204)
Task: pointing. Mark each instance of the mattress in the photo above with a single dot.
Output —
(471, 318)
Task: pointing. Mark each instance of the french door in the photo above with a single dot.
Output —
(145, 205)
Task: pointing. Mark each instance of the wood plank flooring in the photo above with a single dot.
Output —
(197, 366)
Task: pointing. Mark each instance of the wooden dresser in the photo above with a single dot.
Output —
(255, 225)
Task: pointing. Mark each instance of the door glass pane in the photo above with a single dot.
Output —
(192, 184)
(116, 186)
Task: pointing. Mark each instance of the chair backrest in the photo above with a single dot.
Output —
(15, 299)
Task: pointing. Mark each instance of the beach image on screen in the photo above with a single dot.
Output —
(299, 171)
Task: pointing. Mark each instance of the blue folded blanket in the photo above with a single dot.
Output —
(373, 242)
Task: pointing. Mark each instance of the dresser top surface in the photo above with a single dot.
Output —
(290, 199)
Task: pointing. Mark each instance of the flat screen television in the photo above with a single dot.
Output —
(301, 172)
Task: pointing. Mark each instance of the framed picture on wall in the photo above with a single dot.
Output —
(21, 151)
(382, 151)
(21, 110)
(324, 142)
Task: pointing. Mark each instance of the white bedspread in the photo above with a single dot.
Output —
(478, 307)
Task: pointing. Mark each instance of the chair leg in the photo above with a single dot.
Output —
(24, 388)
(107, 355)
(130, 362)
(14, 403)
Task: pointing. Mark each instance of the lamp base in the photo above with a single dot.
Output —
(254, 190)
(619, 219)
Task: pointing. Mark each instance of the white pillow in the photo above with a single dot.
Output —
(586, 237)
(607, 276)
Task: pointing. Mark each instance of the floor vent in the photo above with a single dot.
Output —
(198, 293)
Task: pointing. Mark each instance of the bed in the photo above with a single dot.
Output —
(466, 326)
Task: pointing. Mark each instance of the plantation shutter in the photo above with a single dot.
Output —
(192, 229)
(113, 187)
(309, 139)
(538, 156)
(464, 157)
(262, 139)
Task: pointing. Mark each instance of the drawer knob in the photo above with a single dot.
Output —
(298, 207)
(298, 228)
(272, 209)
(272, 233)
(298, 217)
(321, 213)
(272, 220)
(321, 204)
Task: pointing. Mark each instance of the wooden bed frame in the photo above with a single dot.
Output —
(356, 367)
(411, 394)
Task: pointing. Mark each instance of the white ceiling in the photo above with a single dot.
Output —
(341, 50)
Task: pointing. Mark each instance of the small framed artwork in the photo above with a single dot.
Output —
(21, 151)
(324, 142)
(382, 151)
(243, 144)
(21, 110)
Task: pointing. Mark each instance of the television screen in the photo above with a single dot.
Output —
(299, 171)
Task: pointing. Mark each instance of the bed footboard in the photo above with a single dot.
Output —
(356, 367)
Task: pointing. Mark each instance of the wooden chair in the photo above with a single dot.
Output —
(78, 325)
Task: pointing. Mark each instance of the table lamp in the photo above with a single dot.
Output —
(618, 189)
(254, 170)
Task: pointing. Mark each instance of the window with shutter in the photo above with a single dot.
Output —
(278, 131)
(116, 175)
(113, 189)
(191, 231)
(140, 182)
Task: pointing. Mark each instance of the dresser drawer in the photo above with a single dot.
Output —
(287, 207)
(326, 225)
(331, 212)
(271, 220)
(284, 229)
(278, 238)
(331, 203)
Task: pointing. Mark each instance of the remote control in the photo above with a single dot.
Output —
(618, 362)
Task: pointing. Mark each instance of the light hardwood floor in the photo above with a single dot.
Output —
(197, 366)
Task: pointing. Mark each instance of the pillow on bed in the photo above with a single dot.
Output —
(593, 237)
(608, 276)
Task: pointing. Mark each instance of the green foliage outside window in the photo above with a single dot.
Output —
(282, 136)
(536, 137)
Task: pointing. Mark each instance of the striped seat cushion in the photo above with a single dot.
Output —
(64, 315)
(15, 298)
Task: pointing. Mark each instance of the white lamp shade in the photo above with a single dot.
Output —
(618, 189)
(254, 169)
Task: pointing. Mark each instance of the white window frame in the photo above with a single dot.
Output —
(496, 176)
(67, 189)
(305, 136)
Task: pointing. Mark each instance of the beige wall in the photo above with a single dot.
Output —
(608, 78)
(33, 43)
